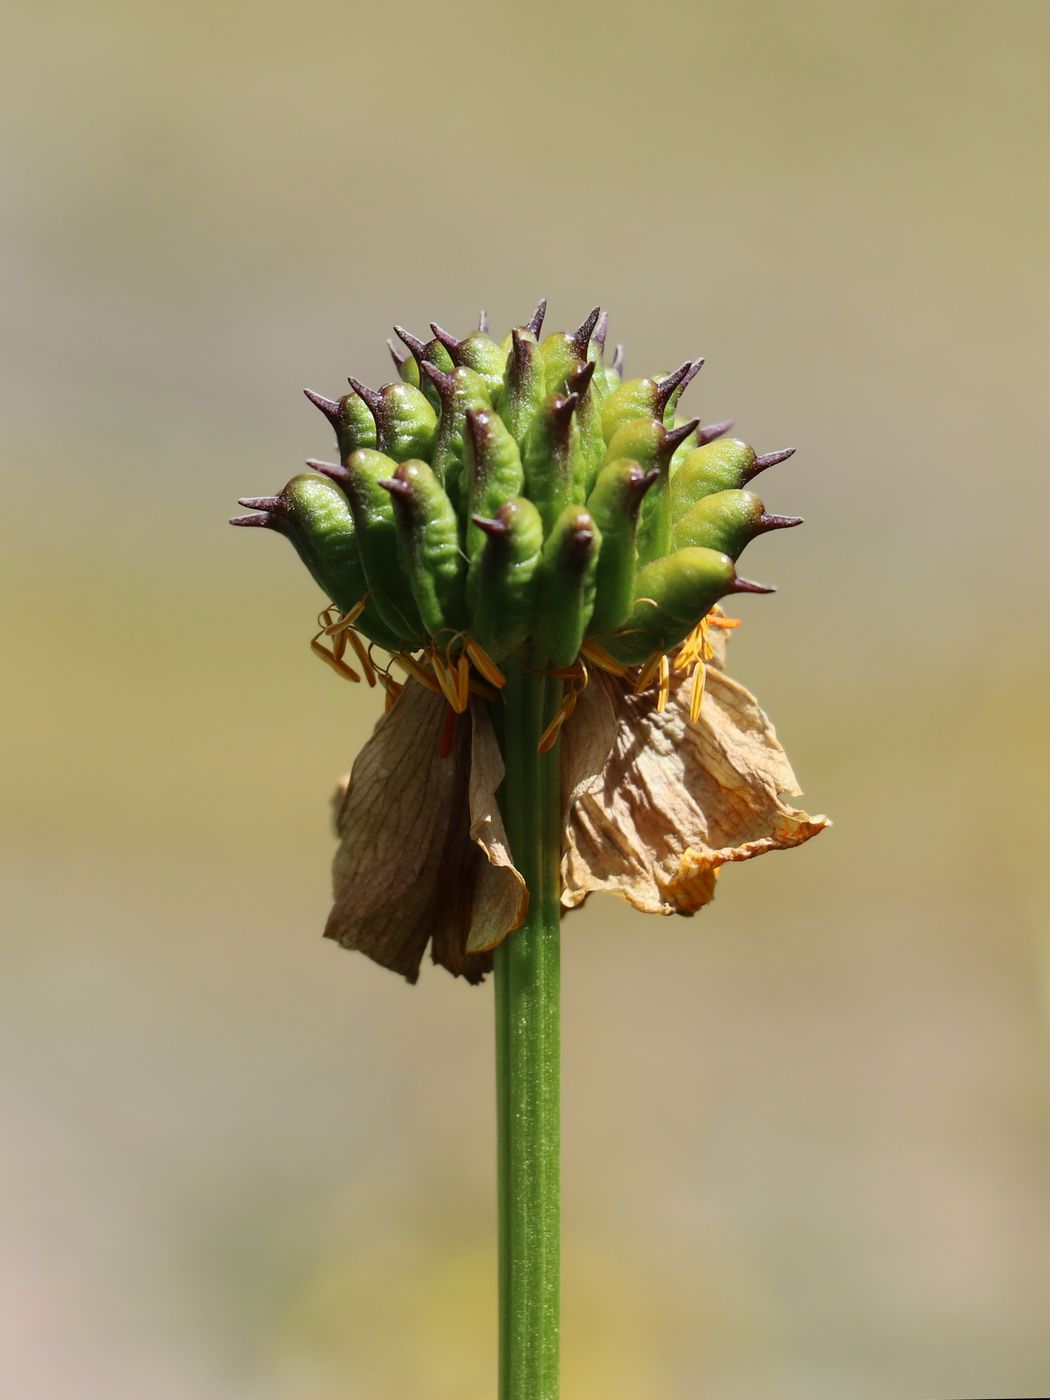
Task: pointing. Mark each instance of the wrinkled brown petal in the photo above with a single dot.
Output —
(423, 853)
(655, 804)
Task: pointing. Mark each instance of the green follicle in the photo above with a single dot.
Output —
(478, 352)
(584, 385)
(647, 398)
(671, 596)
(553, 458)
(727, 521)
(524, 385)
(428, 538)
(493, 471)
(614, 505)
(648, 442)
(567, 583)
(727, 464)
(351, 419)
(500, 593)
(314, 515)
(459, 392)
(423, 351)
(404, 420)
(378, 535)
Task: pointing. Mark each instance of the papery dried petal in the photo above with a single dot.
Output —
(671, 801)
(423, 853)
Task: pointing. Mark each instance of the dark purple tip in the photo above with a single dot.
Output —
(329, 407)
(617, 362)
(581, 339)
(779, 522)
(451, 344)
(601, 330)
(414, 344)
(267, 522)
(640, 482)
(536, 324)
(372, 397)
(444, 383)
(746, 585)
(495, 529)
(401, 489)
(676, 436)
(679, 381)
(267, 503)
(396, 356)
(770, 459)
(580, 379)
(479, 426)
(712, 431)
(332, 470)
(561, 410)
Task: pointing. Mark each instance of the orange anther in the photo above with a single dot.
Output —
(486, 665)
(602, 659)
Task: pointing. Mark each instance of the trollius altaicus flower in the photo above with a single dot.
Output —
(520, 507)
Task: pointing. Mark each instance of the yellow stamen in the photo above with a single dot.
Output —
(419, 673)
(330, 659)
(664, 693)
(648, 671)
(549, 737)
(462, 683)
(486, 665)
(445, 681)
(362, 655)
(602, 659)
(696, 695)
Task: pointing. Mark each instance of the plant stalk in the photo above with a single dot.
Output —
(527, 995)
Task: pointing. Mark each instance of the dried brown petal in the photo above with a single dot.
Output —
(423, 852)
(655, 805)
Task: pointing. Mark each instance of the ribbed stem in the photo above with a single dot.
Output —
(527, 1052)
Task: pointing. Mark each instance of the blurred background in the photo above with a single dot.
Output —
(806, 1134)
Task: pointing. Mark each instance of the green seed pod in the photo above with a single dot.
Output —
(422, 352)
(524, 386)
(565, 353)
(407, 366)
(671, 596)
(567, 578)
(404, 420)
(614, 505)
(350, 417)
(428, 534)
(647, 398)
(377, 535)
(477, 352)
(314, 515)
(553, 458)
(460, 392)
(589, 419)
(647, 442)
(727, 521)
(493, 473)
(500, 594)
(726, 464)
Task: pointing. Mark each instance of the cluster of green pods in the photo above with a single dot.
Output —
(521, 495)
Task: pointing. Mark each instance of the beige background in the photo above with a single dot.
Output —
(806, 1134)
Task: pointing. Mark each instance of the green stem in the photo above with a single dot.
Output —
(527, 1052)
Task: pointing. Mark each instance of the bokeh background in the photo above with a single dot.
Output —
(806, 1134)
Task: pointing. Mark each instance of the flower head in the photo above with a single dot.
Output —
(522, 502)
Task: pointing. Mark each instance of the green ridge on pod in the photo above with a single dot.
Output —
(521, 495)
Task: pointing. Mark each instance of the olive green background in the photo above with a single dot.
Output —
(806, 1134)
